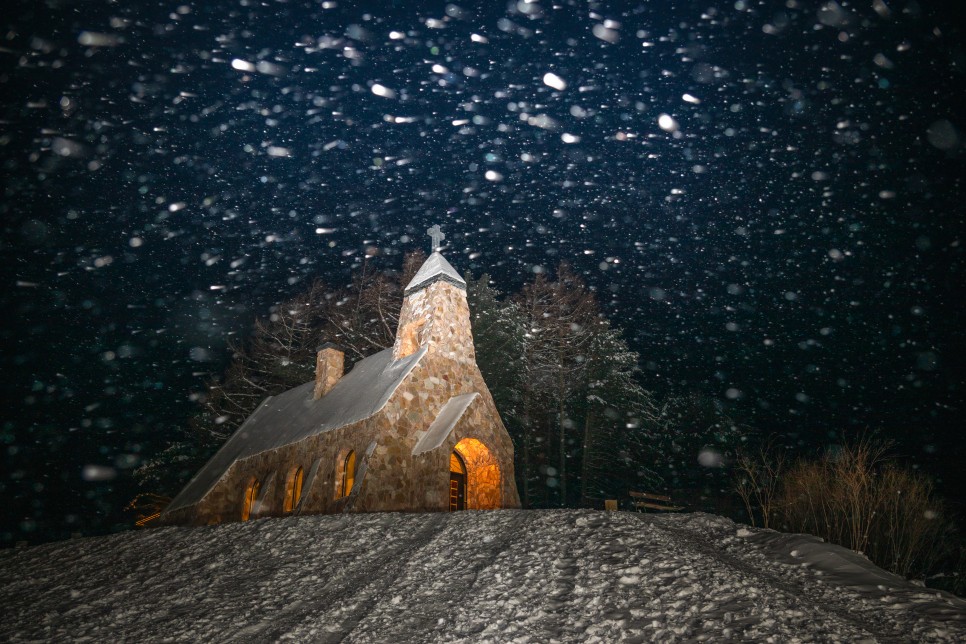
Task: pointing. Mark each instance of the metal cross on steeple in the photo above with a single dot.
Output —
(437, 236)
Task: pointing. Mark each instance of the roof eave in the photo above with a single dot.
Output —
(440, 277)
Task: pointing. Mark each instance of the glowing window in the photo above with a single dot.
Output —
(348, 473)
(409, 338)
(251, 495)
(294, 492)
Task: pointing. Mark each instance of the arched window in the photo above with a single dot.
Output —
(293, 492)
(251, 495)
(348, 473)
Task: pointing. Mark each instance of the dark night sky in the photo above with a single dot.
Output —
(768, 197)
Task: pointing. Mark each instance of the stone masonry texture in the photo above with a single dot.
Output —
(387, 475)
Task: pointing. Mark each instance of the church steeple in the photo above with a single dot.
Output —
(434, 269)
(435, 314)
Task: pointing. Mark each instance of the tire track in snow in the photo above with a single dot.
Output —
(344, 601)
(457, 589)
(265, 597)
(438, 580)
(562, 606)
(783, 589)
(652, 584)
(503, 576)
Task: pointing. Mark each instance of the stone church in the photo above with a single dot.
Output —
(412, 428)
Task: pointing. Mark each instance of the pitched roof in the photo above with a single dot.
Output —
(444, 423)
(293, 416)
(434, 269)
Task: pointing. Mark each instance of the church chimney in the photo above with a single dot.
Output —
(328, 369)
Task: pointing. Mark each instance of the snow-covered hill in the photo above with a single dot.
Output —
(505, 576)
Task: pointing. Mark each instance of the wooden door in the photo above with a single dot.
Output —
(457, 491)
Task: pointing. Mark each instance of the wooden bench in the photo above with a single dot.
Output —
(644, 501)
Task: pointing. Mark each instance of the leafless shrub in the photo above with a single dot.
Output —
(854, 498)
(909, 530)
(758, 480)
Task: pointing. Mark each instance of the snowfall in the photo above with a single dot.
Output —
(502, 576)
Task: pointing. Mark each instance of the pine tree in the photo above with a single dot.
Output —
(498, 335)
(580, 389)
(565, 382)
(698, 441)
(620, 422)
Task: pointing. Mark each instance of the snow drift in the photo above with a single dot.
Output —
(502, 576)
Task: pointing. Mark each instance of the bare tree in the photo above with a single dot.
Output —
(562, 318)
(758, 481)
(280, 354)
(588, 421)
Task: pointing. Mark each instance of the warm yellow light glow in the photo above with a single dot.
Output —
(457, 483)
(349, 473)
(409, 338)
(293, 490)
(141, 522)
(251, 495)
(456, 464)
(148, 507)
(297, 488)
(483, 477)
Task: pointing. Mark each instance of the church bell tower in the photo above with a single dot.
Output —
(435, 314)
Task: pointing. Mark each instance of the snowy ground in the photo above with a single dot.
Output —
(507, 576)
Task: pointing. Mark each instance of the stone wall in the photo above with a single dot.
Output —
(388, 476)
(227, 498)
(437, 317)
(394, 480)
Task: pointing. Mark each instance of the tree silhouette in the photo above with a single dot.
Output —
(564, 380)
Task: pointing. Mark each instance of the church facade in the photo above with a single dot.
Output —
(411, 428)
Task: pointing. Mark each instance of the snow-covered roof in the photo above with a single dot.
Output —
(444, 423)
(434, 269)
(293, 416)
